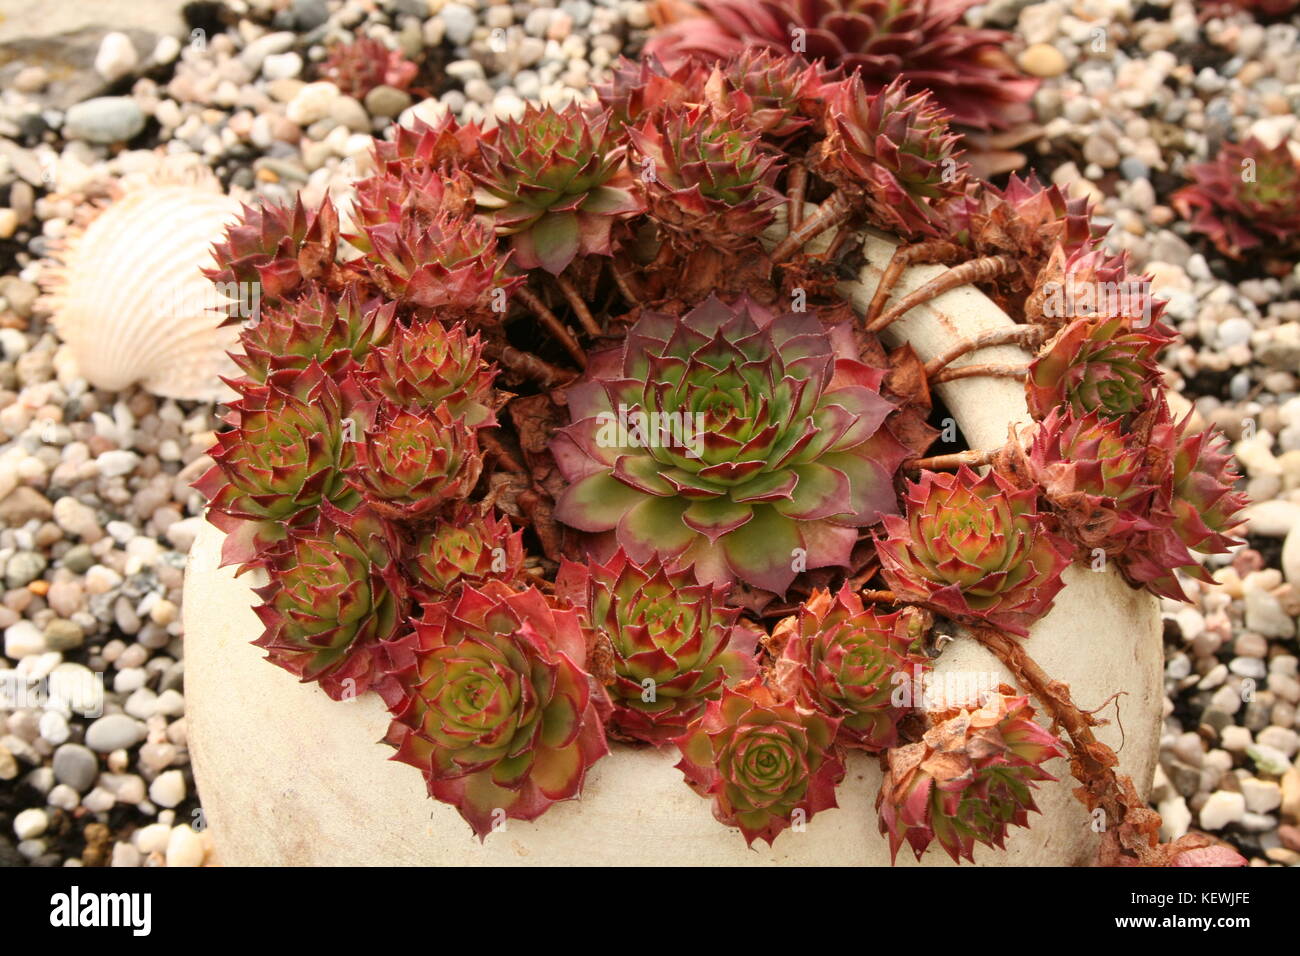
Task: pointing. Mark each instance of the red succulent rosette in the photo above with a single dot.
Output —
(491, 702)
(850, 661)
(975, 549)
(469, 547)
(427, 365)
(767, 763)
(968, 780)
(674, 642)
(285, 454)
(411, 461)
(334, 596)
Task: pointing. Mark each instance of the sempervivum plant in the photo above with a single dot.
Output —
(1102, 364)
(574, 437)
(762, 760)
(1093, 471)
(893, 150)
(410, 461)
(704, 175)
(426, 365)
(334, 597)
(968, 779)
(492, 703)
(555, 184)
(358, 67)
(1246, 199)
(745, 442)
(315, 327)
(467, 547)
(1195, 511)
(285, 454)
(674, 642)
(849, 662)
(975, 549)
(919, 41)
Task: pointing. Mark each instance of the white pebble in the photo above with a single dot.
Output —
(29, 824)
(168, 790)
(1222, 808)
(184, 848)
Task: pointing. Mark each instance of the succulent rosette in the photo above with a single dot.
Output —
(767, 763)
(469, 548)
(745, 442)
(639, 86)
(334, 595)
(968, 779)
(848, 661)
(778, 95)
(1195, 510)
(451, 265)
(921, 41)
(1105, 365)
(491, 702)
(277, 248)
(1094, 473)
(1247, 199)
(291, 334)
(413, 192)
(445, 144)
(973, 548)
(427, 365)
(358, 67)
(410, 461)
(555, 183)
(893, 152)
(285, 454)
(674, 642)
(705, 175)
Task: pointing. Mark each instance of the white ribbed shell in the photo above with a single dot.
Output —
(131, 303)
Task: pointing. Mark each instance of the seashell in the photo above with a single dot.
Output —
(129, 298)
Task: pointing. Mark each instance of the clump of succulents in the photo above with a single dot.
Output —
(1245, 200)
(573, 439)
(920, 41)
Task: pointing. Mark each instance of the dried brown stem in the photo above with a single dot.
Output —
(1028, 336)
(878, 597)
(797, 187)
(976, 270)
(493, 446)
(951, 461)
(579, 307)
(970, 371)
(929, 251)
(828, 215)
(553, 325)
(528, 365)
(625, 284)
(1091, 762)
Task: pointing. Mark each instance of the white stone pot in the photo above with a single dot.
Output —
(289, 777)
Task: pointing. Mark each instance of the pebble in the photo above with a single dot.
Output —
(1261, 796)
(458, 21)
(23, 639)
(168, 789)
(116, 57)
(1221, 808)
(76, 766)
(113, 732)
(62, 635)
(105, 119)
(387, 101)
(184, 847)
(29, 824)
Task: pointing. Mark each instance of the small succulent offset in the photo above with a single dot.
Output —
(765, 762)
(358, 67)
(968, 779)
(1247, 200)
(573, 438)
